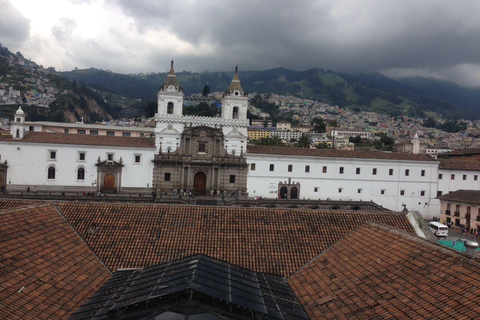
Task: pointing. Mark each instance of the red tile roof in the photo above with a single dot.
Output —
(465, 196)
(263, 240)
(462, 152)
(378, 272)
(7, 204)
(329, 153)
(460, 165)
(47, 270)
(83, 139)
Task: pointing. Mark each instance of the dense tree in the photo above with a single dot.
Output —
(319, 125)
(206, 90)
(275, 141)
(202, 109)
(303, 142)
(429, 123)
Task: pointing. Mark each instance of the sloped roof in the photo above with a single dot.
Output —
(47, 270)
(462, 152)
(330, 153)
(210, 283)
(8, 204)
(378, 272)
(466, 196)
(82, 139)
(262, 240)
(460, 165)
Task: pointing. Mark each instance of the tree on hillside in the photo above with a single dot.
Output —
(319, 125)
(429, 123)
(206, 90)
(275, 141)
(303, 142)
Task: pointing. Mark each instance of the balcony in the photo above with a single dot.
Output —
(447, 212)
(457, 213)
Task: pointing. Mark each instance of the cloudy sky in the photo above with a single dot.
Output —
(398, 38)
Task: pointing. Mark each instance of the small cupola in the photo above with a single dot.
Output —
(235, 88)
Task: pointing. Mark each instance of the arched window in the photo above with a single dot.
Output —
(81, 174)
(170, 108)
(51, 173)
(235, 113)
(18, 133)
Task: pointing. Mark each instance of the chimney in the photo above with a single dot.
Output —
(470, 247)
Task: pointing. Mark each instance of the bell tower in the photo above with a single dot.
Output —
(235, 101)
(170, 96)
(17, 129)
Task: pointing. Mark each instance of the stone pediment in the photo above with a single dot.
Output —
(235, 133)
(109, 163)
(169, 130)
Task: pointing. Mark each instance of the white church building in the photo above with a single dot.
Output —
(210, 155)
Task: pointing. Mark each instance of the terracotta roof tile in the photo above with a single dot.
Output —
(329, 153)
(468, 196)
(263, 240)
(47, 270)
(378, 272)
(459, 165)
(8, 204)
(83, 139)
(462, 152)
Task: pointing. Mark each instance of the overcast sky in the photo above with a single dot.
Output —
(398, 38)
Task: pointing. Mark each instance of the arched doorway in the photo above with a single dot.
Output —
(294, 193)
(283, 192)
(200, 183)
(109, 183)
(1, 182)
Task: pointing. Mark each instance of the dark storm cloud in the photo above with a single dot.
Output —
(14, 27)
(342, 35)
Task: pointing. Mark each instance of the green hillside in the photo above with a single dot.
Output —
(360, 91)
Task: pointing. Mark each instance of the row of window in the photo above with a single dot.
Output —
(168, 176)
(95, 132)
(382, 191)
(452, 177)
(82, 155)
(341, 170)
(52, 172)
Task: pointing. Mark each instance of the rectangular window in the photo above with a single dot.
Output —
(252, 167)
(382, 191)
(422, 193)
(168, 175)
(357, 171)
(81, 131)
(340, 190)
(402, 192)
(53, 155)
(374, 171)
(315, 189)
(232, 178)
(324, 170)
(307, 168)
(110, 156)
(423, 173)
(81, 156)
(439, 193)
(464, 177)
(452, 177)
(110, 133)
(359, 190)
(202, 147)
(94, 132)
(125, 134)
(407, 172)
(290, 168)
(340, 170)
(137, 158)
(390, 172)
(31, 128)
(440, 176)
(475, 177)
(272, 167)
(65, 131)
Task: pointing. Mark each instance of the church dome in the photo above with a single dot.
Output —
(19, 112)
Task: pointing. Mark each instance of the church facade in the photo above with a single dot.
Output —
(203, 154)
